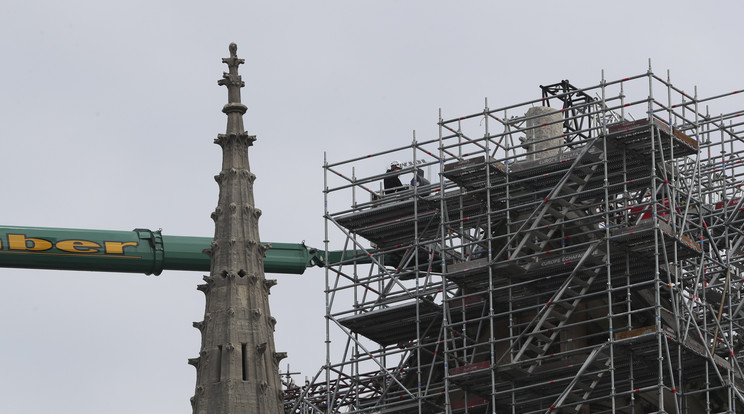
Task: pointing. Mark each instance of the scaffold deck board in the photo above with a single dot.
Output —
(401, 222)
(636, 135)
(394, 324)
(471, 173)
(475, 273)
(639, 238)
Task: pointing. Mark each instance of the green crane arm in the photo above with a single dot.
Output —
(137, 251)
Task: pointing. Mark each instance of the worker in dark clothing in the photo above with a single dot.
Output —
(392, 182)
(420, 180)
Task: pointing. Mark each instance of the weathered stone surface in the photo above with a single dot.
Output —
(543, 132)
(236, 370)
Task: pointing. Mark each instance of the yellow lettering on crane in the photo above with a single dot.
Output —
(21, 242)
(117, 247)
(78, 246)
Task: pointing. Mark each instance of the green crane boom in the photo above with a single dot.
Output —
(137, 251)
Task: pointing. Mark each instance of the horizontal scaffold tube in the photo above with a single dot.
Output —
(137, 251)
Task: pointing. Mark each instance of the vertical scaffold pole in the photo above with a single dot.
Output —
(509, 227)
(654, 210)
(443, 243)
(327, 286)
(491, 336)
(679, 396)
(607, 221)
(706, 133)
(355, 351)
(415, 247)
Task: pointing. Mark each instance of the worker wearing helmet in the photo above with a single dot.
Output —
(392, 182)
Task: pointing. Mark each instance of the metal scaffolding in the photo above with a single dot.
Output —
(580, 252)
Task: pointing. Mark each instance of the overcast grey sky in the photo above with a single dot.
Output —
(108, 111)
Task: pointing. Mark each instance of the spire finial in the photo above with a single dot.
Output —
(234, 108)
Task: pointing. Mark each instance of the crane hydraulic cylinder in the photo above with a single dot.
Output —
(137, 251)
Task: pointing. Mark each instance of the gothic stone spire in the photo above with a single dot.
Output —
(237, 367)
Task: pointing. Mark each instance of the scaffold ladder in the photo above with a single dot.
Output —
(555, 209)
(547, 324)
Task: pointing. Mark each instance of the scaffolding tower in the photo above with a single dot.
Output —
(580, 252)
